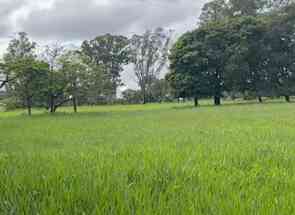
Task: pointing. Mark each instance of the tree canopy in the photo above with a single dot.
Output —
(250, 54)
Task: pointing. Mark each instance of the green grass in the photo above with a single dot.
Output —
(154, 159)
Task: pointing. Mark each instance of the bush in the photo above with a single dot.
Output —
(10, 103)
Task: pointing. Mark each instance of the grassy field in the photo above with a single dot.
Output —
(154, 159)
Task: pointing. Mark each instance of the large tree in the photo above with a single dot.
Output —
(280, 40)
(19, 47)
(188, 76)
(75, 73)
(25, 75)
(220, 56)
(57, 80)
(248, 56)
(217, 10)
(214, 10)
(108, 52)
(149, 54)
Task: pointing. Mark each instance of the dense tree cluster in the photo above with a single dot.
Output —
(89, 75)
(240, 48)
(243, 47)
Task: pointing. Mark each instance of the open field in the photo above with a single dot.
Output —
(154, 159)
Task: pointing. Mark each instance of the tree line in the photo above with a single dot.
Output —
(241, 47)
(56, 75)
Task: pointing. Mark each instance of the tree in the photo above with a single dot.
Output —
(218, 10)
(247, 7)
(30, 81)
(247, 64)
(131, 96)
(188, 76)
(214, 10)
(280, 40)
(19, 47)
(220, 56)
(160, 90)
(149, 54)
(108, 52)
(57, 80)
(24, 73)
(74, 70)
(280, 4)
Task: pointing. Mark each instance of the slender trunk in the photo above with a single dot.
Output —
(29, 105)
(288, 99)
(51, 104)
(196, 101)
(75, 104)
(144, 99)
(51, 95)
(144, 96)
(260, 99)
(75, 100)
(217, 100)
(217, 96)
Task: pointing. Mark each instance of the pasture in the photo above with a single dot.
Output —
(153, 159)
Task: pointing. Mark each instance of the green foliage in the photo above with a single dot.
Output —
(27, 76)
(245, 54)
(109, 53)
(10, 104)
(132, 96)
(149, 55)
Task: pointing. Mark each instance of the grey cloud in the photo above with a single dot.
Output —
(76, 20)
(80, 19)
(7, 8)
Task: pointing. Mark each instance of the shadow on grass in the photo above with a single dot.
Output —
(134, 112)
(233, 104)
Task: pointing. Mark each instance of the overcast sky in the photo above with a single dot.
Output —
(76, 20)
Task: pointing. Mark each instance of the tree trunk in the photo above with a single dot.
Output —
(75, 100)
(51, 104)
(217, 100)
(29, 106)
(260, 99)
(144, 101)
(196, 101)
(75, 104)
(288, 99)
(217, 96)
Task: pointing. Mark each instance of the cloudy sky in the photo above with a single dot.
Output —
(76, 20)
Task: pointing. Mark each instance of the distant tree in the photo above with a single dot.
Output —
(108, 52)
(30, 82)
(149, 54)
(280, 40)
(214, 10)
(280, 4)
(188, 74)
(246, 68)
(247, 7)
(131, 96)
(75, 71)
(96, 86)
(57, 81)
(221, 56)
(160, 90)
(19, 47)
(217, 10)
(25, 75)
